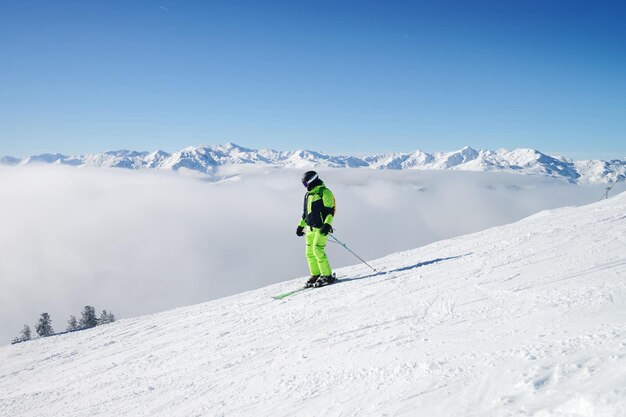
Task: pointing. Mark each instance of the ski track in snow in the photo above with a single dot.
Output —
(526, 319)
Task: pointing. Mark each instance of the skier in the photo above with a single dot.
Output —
(317, 217)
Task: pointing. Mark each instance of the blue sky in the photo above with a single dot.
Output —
(336, 76)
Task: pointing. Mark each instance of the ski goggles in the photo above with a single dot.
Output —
(306, 183)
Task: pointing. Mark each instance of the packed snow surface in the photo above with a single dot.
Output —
(526, 319)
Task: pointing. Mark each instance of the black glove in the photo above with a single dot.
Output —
(326, 229)
(300, 231)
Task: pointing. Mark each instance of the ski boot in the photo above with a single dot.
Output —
(325, 280)
(311, 281)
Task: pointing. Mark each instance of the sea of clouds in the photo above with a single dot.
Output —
(138, 242)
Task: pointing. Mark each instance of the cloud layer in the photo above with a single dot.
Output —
(141, 242)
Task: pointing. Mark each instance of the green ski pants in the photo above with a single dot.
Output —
(315, 252)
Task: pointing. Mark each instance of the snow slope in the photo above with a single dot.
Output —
(206, 159)
(527, 319)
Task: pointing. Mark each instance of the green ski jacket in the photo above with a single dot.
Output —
(319, 207)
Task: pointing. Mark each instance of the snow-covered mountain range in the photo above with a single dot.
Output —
(527, 319)
(206, 158)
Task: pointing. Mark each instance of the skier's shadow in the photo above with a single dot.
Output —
(406, 268)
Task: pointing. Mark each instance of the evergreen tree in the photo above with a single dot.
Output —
(106, 318)
(88, 319)
(72, 324)
(44, 326)
(25, 333)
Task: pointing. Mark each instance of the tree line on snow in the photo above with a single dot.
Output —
(88, 319)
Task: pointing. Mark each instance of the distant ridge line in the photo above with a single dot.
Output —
(205, 158)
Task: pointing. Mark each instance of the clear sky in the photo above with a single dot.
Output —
(337, 76)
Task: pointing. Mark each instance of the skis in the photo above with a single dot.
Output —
(289, 293)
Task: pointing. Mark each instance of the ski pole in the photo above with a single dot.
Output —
(348, 249)
(606, 195)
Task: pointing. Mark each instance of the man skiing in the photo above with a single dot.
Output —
(317, 217)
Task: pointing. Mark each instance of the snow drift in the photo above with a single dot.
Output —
(526, 319)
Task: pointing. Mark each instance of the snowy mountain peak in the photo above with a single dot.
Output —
(159, 154)
(230, 146)
(9, 160)
(205, 158)
(124, 153)
(462, 156)
(44, 158)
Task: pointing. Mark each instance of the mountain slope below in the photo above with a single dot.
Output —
(526, 319)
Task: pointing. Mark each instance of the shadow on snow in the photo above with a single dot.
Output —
(405, 268)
